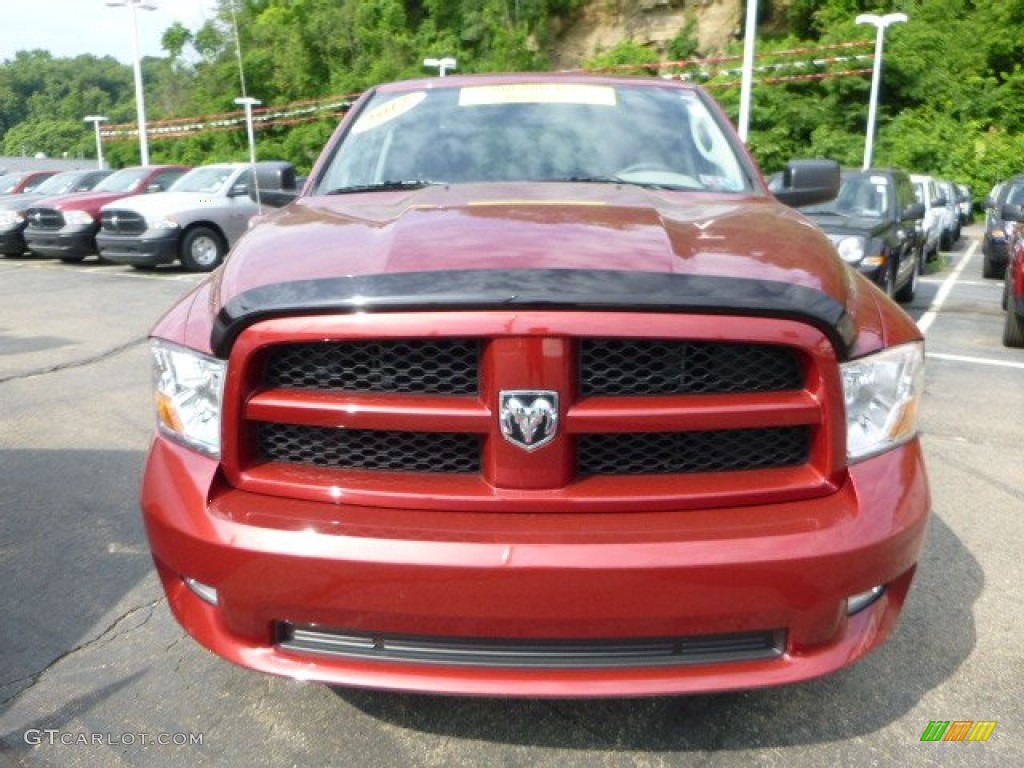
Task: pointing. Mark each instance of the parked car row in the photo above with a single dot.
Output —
(142, 216)
(887, 224)
(1002, 249)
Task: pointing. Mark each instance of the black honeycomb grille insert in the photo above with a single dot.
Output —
(438, 453)
(442, 367)
(44, 218)
(623, 367)
(658, 453)
(122, 222)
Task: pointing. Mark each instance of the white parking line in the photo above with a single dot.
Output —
(975, 360)
(997, 284)
(106, 271)
(944, 290)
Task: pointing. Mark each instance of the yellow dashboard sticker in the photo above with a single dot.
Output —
(385, 113)
(537, 93)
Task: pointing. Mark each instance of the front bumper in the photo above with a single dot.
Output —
(12, 242)
(64, 244)
(504, 579)
(143, 250)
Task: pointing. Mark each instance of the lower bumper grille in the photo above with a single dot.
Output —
(539, 654)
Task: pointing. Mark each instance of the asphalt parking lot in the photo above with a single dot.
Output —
(95, 672)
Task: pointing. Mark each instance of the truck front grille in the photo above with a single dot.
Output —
(326, 413)
(640, 367)
(446, 367)
(122, 222)
(44, 219)
(534, 654)
(719, 450)
(361, 449)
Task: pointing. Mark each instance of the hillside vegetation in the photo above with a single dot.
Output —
(951, 101)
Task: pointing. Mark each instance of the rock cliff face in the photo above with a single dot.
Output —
(603, 24)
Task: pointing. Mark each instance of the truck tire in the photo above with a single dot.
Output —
(202, 249)
(988, 269)
(906, 292)
(1013, 328)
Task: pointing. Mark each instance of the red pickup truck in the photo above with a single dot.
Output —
(65, 227)
(535, 389)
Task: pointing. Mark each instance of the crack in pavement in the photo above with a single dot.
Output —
(82, 363)
(111, 632)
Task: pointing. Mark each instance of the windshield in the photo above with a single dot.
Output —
(122, 181)
(864, 196)
(659, 136)
(9, 182)
(58, 185)
(208, 179)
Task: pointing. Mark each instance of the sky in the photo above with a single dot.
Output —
(67, 28)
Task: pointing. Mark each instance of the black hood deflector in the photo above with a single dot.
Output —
(524, 289)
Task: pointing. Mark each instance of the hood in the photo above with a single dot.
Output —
(836, 224)
(536, 243)
(163, 203)
(18, 202)
(82, 201)
(536, 226)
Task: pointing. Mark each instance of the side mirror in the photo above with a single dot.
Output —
(239, 190)
(806, 182)
(914, 211)
(1010, 212)
(275, 198)
(938, 202)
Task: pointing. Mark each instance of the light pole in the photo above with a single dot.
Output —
(880, 22)
(747, 81)
(96, 120)
(140, 96)
(441, 65)
(248, 102)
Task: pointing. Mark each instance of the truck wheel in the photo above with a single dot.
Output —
(1013, 329)
(202, 250)
(906, 292)
(988, 269)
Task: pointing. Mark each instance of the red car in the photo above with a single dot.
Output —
(536, 390)
(22, 181)
(65, 227)
(1013, 293)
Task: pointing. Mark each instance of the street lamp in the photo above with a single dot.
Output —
(140, 97)
(248, 102)
(96, 120)
(747, 78)
(880, 22)
(441, 65)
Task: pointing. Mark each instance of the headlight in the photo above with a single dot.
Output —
(882, 395)
(161, 222)
(10, 220)
(189, 389)
(79, 219)
(851, 249)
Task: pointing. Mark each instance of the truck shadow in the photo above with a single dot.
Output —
(858, 700)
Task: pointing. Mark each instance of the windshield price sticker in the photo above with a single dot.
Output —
(385, 113)
(537, 93)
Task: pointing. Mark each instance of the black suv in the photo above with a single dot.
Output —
(993, 244)
(873, 224)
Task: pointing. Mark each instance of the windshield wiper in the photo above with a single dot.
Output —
(620, 180)
(386, 186)
(588, 179)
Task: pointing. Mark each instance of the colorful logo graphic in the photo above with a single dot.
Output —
(958, 730)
